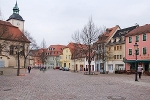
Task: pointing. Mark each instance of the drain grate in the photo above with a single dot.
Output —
(7, 89)
(116, 98)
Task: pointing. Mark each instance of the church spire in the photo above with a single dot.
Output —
(16, 9)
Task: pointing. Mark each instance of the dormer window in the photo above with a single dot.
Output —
(122, 38)
(117, 39)
(108, 31)
(112, 40)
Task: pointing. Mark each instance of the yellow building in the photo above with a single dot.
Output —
(66, 58)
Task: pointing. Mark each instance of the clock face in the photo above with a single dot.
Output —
(18, 23)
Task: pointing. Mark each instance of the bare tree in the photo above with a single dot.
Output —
(76, 52)
(29, 47)
(102, 53)
(43, 52)
(87, 37)
(1, 15)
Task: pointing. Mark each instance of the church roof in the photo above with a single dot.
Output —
(15, 16)
(11, 33)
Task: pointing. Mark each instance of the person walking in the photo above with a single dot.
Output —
(29, 69)
(140, 69)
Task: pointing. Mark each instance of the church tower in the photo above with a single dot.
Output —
(15, 19)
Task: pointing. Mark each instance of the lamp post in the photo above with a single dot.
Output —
(18, 50)
(136, 49)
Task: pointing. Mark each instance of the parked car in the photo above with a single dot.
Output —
(60, 68)
(65, 69)
(43, 68)
(56, 67)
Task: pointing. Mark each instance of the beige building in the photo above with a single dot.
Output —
(116, 46)
(13, 43)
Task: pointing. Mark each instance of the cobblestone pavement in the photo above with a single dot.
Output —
(66, 85)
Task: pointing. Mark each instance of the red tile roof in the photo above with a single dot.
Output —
(107, 34)
(56, 51)
(77, 50)
(140, 30)
(12, 33)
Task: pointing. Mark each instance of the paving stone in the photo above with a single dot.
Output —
(66, 85)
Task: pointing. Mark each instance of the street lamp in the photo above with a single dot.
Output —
(136, 49)
(18, 50)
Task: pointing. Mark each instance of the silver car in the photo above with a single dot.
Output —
(65, 69)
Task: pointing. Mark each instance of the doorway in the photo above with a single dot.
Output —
(146, 66)
(64, 64)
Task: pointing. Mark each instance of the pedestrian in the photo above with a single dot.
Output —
(140, 69)
(29, 69)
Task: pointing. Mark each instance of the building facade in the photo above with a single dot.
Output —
(66, 58)
(100, 46)
(13, 42)
(140, 36)
(53, 56)
(116, 48)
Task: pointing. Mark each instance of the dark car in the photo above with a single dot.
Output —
(65, 69)
(43, 68)
(56, 67)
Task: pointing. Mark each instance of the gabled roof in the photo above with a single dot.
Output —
(124, 31)
(120, 33)
(74, 46)
(12, 33)
(77, 50)
(56, 51)
(139, 30)
(104, 37)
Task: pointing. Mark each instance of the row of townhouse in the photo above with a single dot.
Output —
(114, 51)
(49, 57)
(115, 48)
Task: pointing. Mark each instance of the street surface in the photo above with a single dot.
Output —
(67, 85)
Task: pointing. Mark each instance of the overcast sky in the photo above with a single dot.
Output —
(56, 20)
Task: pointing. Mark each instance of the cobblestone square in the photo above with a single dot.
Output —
(67, 85)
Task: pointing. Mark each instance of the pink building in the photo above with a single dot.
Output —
(141, 36)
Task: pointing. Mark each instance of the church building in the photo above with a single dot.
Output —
(13, 43)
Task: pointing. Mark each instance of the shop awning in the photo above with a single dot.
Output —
(133, 61)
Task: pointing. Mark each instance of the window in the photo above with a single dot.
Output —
(144, 50)
(130, 39)
(114, 56)
(117, 56)
(120, 56)
(130, 51)
(117, 47)
(100, 47)
(114, 47)
(137, 39)
(11, 50)
(120, 47)
(144, 37)
(122, 38)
